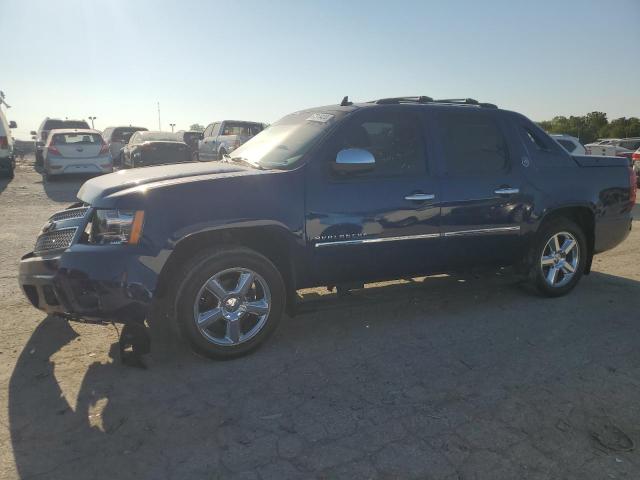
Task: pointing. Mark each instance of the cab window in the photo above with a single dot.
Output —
(393, 138)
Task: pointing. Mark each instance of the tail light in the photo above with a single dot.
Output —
(104, 148)
(53, 150)
(634, 186)
(636, 156)
(4, 143)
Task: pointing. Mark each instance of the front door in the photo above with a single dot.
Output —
(378, 224)
(484, 198)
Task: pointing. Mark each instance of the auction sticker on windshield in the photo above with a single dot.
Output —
(320, 117)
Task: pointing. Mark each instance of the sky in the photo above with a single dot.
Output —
(259, 60)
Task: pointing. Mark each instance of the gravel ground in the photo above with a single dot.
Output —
(466, 377)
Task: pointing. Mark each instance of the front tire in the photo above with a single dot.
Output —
(559, 257)
(221, 154)
(228, 301)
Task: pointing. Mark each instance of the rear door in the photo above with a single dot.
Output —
(484, 198)
(379, 224)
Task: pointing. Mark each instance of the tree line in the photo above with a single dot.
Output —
(592, 126)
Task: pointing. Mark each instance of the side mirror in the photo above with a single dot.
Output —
(34, 133)
(13, 124)
(354, 160)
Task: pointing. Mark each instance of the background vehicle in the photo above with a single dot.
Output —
(613, 147)
(191, 138)
(570, 144)
(46, 126)
(7, 154)
(154, 148)
(224, 137)
(635, 157)
(76, 151)
(337, 195)
(117, 138)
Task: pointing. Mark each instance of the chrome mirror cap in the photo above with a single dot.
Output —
(354, 161)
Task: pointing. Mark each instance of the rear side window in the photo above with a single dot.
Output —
(568, 145)
(473, 144)
(630, 144)
(243, 129)
(76, 139)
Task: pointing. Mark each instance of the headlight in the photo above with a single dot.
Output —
(114, 227)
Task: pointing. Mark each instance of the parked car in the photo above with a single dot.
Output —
(7, 153)
(337, 195)
(76, 151)
(635, 158)
(613, 147)
(154, 148)
(117, 138)
(221, 138)
(46, 126)
(191, 138)
(570, 144)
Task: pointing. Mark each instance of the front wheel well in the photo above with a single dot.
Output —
(268, 241)
(584, 218)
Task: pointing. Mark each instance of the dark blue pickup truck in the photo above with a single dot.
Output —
(337, 195)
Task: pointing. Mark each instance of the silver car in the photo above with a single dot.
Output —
(221, 138)
(76, 151)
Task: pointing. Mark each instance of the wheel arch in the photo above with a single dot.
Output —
(583, 216)
(272, 241)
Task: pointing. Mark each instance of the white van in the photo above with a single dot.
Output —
(7, 157)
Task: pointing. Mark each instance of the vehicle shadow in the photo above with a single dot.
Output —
(4, 183)
(187, 417)
(64, 188)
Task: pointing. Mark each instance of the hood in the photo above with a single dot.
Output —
(154, 177)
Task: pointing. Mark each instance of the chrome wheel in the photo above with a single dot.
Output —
(560, 258)
(232, 306)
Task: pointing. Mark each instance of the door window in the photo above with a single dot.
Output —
(393, 138)
(473, 144)
(207, 131)
(216, 129)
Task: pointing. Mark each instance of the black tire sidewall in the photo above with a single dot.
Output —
(204, 267)
(545, 234)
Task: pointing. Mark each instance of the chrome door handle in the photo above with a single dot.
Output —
(507, 191)
(420, 197)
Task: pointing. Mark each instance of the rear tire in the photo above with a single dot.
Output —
(558, 257)
(219, 317)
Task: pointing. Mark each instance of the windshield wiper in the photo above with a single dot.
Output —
(242, 160)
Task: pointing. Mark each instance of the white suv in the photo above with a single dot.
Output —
(7, 158)
(570, 144)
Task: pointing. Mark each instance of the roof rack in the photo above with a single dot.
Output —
(424, 99)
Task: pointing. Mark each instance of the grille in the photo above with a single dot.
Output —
(69, 214)
(55, 240)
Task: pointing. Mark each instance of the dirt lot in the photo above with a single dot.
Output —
(470, 377)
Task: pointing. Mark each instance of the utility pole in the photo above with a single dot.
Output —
(92, 119)
(172, 125)
(159, 125)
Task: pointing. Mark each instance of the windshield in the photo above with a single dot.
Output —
(124, 134)
(283, 143)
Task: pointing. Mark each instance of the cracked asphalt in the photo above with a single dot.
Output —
(449, 377)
